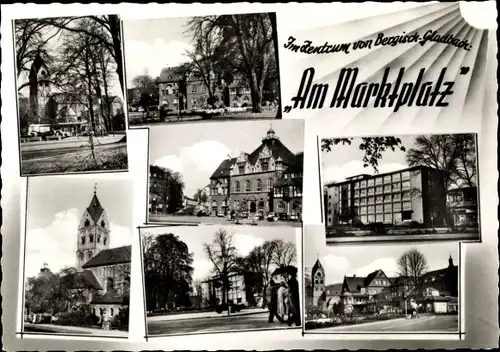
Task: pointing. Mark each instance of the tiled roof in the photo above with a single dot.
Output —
(354, 282)
(288, 181)
(172, 74)
(335, 289)
(277, 149)
(317, 266)
(119, 255)
(223, 169)
(298, 166)
(110, 297)
(95, 208)
(82, 279)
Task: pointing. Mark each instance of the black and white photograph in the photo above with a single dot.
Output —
(391, 288)
(209, 279)
(77, 256)
(69, 76)
(235, 172)
(410, 187)
(213, 67)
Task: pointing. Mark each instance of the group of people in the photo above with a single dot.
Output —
(283, 299)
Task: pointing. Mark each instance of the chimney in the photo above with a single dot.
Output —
(450, 261)
(354, 276)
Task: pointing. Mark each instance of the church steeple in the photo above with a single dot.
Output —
(93, 231)
(270, 133)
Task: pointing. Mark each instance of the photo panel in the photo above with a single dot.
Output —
(220, 278)
(400, 188)
(77, 256)
(220, 67)
(410, 288)
(246, 173)
(70, 101)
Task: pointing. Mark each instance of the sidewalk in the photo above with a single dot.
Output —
(71, 142)
(74, 330)
(205, 315)
(419, 237)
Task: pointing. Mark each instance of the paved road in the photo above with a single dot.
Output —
(408, 237)
(136, 119)
(214, 220)
(430, 323)
(35, 155)
(58, 329)
(214, 324)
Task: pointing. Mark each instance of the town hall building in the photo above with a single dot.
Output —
(269, 179)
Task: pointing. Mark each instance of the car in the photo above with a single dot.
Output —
(293, 217)
(220, 214)
(85, 133)
(272, 217)
(244, 214)
(283, 216)
(62, 133)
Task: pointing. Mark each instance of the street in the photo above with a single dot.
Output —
(158, 326)
(408, 237)
(135, 119)
(434, 323)
(215, 220)
(74, 330)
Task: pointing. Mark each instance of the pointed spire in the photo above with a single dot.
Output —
(95, 188)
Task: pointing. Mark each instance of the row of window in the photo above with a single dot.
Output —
(89, 255)
(83, 239)
(382, 180)
(87, 223)
(290, 191)
(388, 198)
(386, 208)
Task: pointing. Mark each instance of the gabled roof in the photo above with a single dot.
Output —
(118, 255)
(95, 208)
(223, 169)
(333, 290)
(353, 283)
(372, 275)
(298, 166)
(317, 266)
(297, 181)
(173, 74)
(82, 279)
(277, 149)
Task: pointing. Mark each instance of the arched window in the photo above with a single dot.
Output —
(103, 224)
(281, 206)
(83, 240)
(87, 222)
(109, 284)
(259, 185)
(98, 238)
(237, 186)
(248, 186)
(89, 255)
(214, 204)
(105, 240)
(271, 184)
(91, 238)
(101, 311)
(82, 256)
(93, 311)
(111, 312)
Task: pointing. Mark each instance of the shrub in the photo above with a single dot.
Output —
(120, 321)
(79, 317)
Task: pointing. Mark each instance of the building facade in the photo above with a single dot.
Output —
(244, 289)
(317, 283)
(410, 196)
(462, 206)
(267, 180)
(158, 190)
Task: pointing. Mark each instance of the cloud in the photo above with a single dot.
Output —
(388, 265)
(171, 162)
(119, 235)
(206, 155)
(54, 244)
(355, 167)
(335, 268)
(140, 56)
(202, 269)
(245, 243)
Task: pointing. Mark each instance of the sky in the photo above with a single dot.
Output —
(154, 44)
(53, 45)
(347, 160)
(245, 238)
(196, 150)
(55, 207)
(365, 258)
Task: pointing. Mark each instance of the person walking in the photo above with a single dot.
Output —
(282, 292)
(414, 307)
(272, 301)
(293, 288)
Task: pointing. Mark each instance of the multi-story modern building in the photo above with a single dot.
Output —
(462, 206)
(158, 190)
(412, 195)
(267, 180)
(244, 289)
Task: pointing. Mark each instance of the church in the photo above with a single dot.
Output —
(102, 273)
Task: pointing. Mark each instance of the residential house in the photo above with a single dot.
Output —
(462, 206)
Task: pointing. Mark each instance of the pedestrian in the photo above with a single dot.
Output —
(293, 288)
(282, 293)
(414, 307)
(272, 301)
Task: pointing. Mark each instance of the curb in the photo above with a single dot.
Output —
(222, 315)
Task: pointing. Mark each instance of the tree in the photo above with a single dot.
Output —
(200, 196)
(454, 154)
(167, 270)
(145, 83)
(245, 43)
(170, 188)
(285, 253)
(372, 146)
(223, 255)
(412, 265)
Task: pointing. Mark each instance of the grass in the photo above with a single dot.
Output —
(106, 160)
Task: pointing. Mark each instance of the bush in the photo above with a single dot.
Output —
(81, 317)
(120, 321)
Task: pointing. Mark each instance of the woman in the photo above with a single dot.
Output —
(282, 293)
(414, 308)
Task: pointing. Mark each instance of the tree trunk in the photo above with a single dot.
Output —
(255, 92)
(114, 25)
(272, 17)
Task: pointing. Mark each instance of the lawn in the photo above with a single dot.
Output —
(114, 159)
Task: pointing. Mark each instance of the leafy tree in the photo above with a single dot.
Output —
(245, 45)
(223, 255)
(372, 146)
(170, 187)
(200, 196)
(412, 265)
(167, 270)
(455, 154)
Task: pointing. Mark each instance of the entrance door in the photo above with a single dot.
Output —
(253, 207)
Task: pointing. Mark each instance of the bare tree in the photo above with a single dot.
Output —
(285, 253)
(412, 265)
(223, 255)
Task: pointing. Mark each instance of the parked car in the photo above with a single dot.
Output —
(244, 214)
(293, 217)
(272, 217)
(62, 133)
(283, 216)
(220, 214)
(33, 134)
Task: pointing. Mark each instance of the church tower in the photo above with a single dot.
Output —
(93, 232)
(318, 281)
